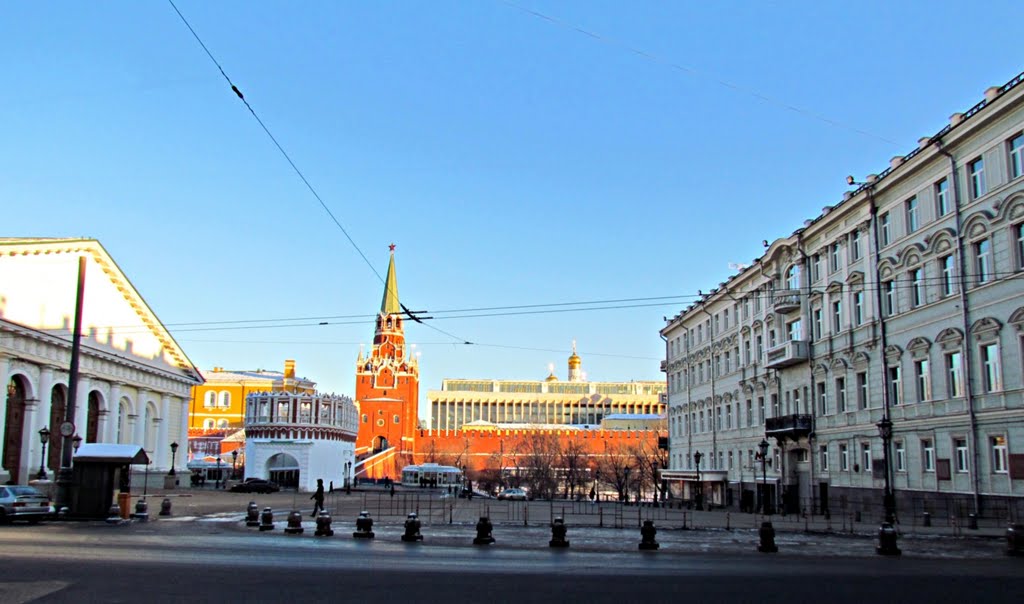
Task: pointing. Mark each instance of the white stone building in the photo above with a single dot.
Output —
(907, 298)
(294, 438)
(135, 380)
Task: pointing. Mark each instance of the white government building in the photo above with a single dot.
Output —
(907, 294)
(135, 380)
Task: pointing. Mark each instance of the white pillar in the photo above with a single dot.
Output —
(113, 414)
(5, 373)
(140, 418)
(163, 446)
(82, 406)
(182, 436)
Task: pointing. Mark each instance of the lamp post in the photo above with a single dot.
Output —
(887, 534)
(234, 463)
(44, 438)
(76, 442)
(763, 455)
(174, 454)
(626, 489)
(654, 479)
(699, 497)
(217, 484)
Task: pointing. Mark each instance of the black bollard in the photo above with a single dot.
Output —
(926, 519)
(1015, 540)
(141, 510)
(267, 520)
(647, 534)
(364, 526)
(323, 525)
(558, 531)
(412, 529)
(165, 507)
(114, 514)
(294, 523)
(887, 540)
(972, 521)
(483, 532)
(767, 534)
(252, 514)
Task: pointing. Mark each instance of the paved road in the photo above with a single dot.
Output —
(168, 562)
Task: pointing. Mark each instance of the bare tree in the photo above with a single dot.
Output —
(540, 454)
(574, 467)
(614, 469)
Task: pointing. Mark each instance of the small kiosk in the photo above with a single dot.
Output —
(99, 469)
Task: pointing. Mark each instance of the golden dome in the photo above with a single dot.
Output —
(551, 378)
(574, 360)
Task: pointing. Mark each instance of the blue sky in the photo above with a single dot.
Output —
(513, 159)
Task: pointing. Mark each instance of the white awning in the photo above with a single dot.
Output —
(112, 453)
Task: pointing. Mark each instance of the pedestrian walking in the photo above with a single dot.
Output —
(318, 497)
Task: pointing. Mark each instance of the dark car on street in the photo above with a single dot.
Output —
(255, 485)
(23, 503)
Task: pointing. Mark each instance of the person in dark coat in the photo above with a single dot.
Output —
(318, 497)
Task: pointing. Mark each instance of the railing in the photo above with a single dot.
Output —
(786, 354)
(786, 300)
(798, 424)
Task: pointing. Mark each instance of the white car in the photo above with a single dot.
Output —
(23, 503)
(513, 495)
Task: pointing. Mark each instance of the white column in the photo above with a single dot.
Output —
(30, 442)
(163, 446)
(140, 418)
(113, 414)
(5, 374)
(82, 406)
(182, 436)
(37, 415)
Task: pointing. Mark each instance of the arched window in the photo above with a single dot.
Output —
(225, 398)
(793, 277)
(208, 424)
(210, 400)
(222, 423)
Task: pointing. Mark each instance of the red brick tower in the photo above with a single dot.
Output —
(387, 388)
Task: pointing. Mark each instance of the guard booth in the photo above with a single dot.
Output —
(99, 469)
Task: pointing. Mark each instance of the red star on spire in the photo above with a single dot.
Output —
(391, 247)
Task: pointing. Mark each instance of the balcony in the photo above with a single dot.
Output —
(788, 426)
(786, 300)
(786, 354)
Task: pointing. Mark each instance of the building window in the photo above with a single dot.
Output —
(210, 400)
(923, 379)
(816, 315)
(901, 456)
(750, 412)
(1016, 161)
(775, 405)
(865, 449)
(910, 208)
(990, 367)
(208, 424)
(840, 395)
(844, 458)
(760, 347)
(728, 417)
(834, 257)
(795, 332)
(942, 198)
(837, 316)
(858, 308)
(960, 446)
(1018, 231)
(895, 388)
(862, 390)
(983, 261)
(889, 297)
(954, 386)
(917, 287)
(855, 246)
(366, 418)
(927, 455)
(816, 267)
(222, 423)
(793, 277)
(225, 398)
(976, 175)
(822, 399)
(760, 410)
(730, 460)
(885, 234)
(823, 457)
(396, 419)
(1000, 464)
(948, 284)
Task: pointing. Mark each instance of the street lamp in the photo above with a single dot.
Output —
(763, 455)
(76, 442)
(234, 463)
(174, 454)
(654, 479)
(699, 497)
(44, 438)
(217, 484)
(627, 485)
(887, 532)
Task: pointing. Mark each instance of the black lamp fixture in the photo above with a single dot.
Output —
(44, 438)
(76, 441)
(888, 500)
(762, 447)
(699, 497)
(174, 455)
(234, 462)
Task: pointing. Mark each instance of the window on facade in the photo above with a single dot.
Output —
(795, 333)
(844, 458)
(225, 398)
(716, 324)
(718, 420)
(895, 386)
(837, 316)
(210, 400)
(922, 374)
(855, 246)
(990, 367)
(910, 209)
(942, 198)
(834, 257)
(960, 448)
(771, 338)
(862, 390)
(948, 284)
(901, 456)
(760, 410)
(208, 424)
(823, 457)
(746, 352)
(728, 417)
(889, 297)
(865, 449)
(1000, 461)
(757, 302)
(1018, 232)
(822, 399)
(983, 261)
(816, 318)
(883, 227)
(760, 347)
(917, 287)
(1016, 159)
(927, 455)
(976, 176)
(396, 419)
(858, 308)
(954, 387)
(840, 395)
(793, 277)
(775, 405)
(728, 362)
(750, 412)
(365, 418)
(730, 460)
(816, 267)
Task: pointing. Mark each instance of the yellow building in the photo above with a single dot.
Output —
(219, 404)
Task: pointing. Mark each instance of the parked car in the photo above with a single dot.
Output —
(23, 503)
(255, 485)
(513, 495)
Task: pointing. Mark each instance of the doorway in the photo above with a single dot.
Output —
(14, 428)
